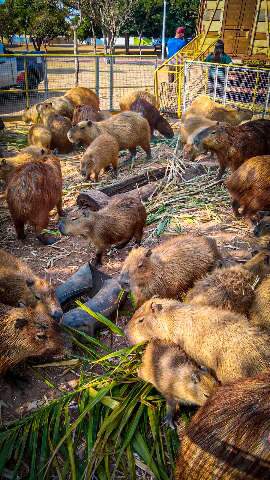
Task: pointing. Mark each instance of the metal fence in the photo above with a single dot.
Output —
(29, 79)
(245, 87)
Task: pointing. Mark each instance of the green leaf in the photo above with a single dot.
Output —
(100, 318)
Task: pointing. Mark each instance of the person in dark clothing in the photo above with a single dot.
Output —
(173, 46)
(217, 74)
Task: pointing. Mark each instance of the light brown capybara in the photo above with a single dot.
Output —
(259, 313)
(26, 333)
(129, 129)
(40, 136)
(19, 286)
(57, 125)
(88, 112)
(155, 119)
(221, 340)
(169, 269)
(82, 96)
(61, 105)
(129, 98)
(249, 187)
(206, 107)
(33, 191)
(175, 376)
(192, 124)
(231, 288)
(228, 438)
(233, 145)
(116, 224)
(8, 165)
(101, 153)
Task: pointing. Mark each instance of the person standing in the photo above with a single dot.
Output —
(217, 74)
(174, 45)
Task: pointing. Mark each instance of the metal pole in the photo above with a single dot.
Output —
(97, 75)
(26, 82)
(111, 84)
(164, 29)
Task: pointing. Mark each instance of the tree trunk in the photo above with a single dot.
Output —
(140, 43)
(127, 43)
(95, 44)
(26, 41)
(76, 59)
(105, 43)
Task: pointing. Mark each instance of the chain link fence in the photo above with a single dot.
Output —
(239, 86)
(29, 79)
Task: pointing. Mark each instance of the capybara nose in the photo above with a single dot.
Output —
(256, 231)
(83, 173)
(57, 315)
(61, 226)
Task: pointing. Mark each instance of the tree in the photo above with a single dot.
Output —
(8, 25)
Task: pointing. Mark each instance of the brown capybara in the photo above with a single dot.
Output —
(61, 105)
(116, 224)
(249, 187)
(58, 127)
(231, 288)
(88, 112)
(129, 129)
(131, 97)
(175, 375)
(228, 438)
(26, 333)
(101, 153)
(32, 192)
(169, 269)
(8, 165)
(259, 313)
(155, 119)
(235, 144)
(19, 286)
(40, 136)
(82, 96)
(206, 107)
(221, 340)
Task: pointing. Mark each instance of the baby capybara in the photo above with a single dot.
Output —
(221, 340)
(26, 333)
(228, 438)
(169, 269)
(33, 191)
(19, 287)
(234, 145)
(249, 187)
(101, 153)
(131, 97)
(175, 376)
(57, 125)
(82, 96)
(155, 119)
(116, 224)
(231, 288)
(88, 112)
(129, 129)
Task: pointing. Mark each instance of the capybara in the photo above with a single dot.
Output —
(82, 96)
(175, 375)
(130, 97)
(32, 192)
(88, 112)
(249, 187)
(231, 288)
(260, 309)
(57, 125)
(26, 333)
(228, 438)
(155, 119)
(129, 129)
(206, 107)
(19, 286)
(61, 105)
(101, 153)
(40, 136)
(116, 224)
(8, 165)
(235, 144)
(193, 124)
(221, 340)
(169, 269)
(262, 229)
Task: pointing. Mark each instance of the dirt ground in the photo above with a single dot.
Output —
(57, 262)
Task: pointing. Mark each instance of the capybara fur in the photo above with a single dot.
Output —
(228, 438)
(169, 269)
(10, 164)
(249, 187)
(32, 192)
(131, 97)
(40, 136)
(26, 333)
(155, 119)
(221, 340)
(129, 129)
(58, 127)
(262, 229)
(116, 224)
(206, 107)
(82, 96)
(88, 112)
(235, 144)
(260, 309)
(231, 288)
(101, 153)
(192, 124)
(175, 375)
(61, 105)
(19, 286)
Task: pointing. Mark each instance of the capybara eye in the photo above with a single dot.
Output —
(82, 127)
(20, 323)
(41, 336)
(140, 320)
(37, 296)
(30, 282)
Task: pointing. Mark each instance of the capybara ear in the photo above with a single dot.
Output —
(148, 253)
(195, 377)
(89, 123)
(39, 107)
(42, 151)
(156, 307)
(3, 162)
(20, 323)
(30, 282)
